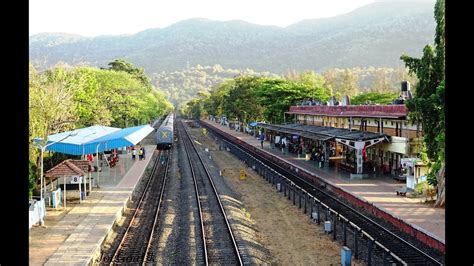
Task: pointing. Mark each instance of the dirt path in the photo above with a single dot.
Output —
(286, 232)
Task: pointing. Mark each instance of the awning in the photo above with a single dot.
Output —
(323, 133)
(75, 142)
(122, 138)
(96, 139)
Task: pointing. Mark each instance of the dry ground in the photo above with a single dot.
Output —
(288, 234)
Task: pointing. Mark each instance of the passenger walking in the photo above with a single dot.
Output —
(262, 138)
(134, 153)
(321, 163)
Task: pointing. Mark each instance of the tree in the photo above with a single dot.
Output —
(428, 105)
(342, 82)
(51, 110)
(374, 97)
(277, 95)
(138, 73)
(381, 82)
(319, 89)
(51, 107)
(348, 83)
(242, 102)
(89, 104)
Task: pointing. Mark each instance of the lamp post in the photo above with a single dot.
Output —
(42, 149)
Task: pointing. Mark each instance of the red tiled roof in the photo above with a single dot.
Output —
(82, 164)
(389, 111)
(68, 167)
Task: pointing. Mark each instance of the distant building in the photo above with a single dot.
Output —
(404, 136)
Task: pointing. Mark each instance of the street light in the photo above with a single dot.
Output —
(42, 150)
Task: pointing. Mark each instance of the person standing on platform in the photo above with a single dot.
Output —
(134, 153)
(143, 153)
(262, 138)
(140, 154)
(321, 163)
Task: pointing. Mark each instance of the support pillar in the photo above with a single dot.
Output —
(80, 190)
(97, 154)
(359, 160)
(64, 179)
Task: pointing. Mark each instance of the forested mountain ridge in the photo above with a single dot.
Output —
(373, 35)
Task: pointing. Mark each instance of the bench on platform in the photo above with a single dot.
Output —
(402, 191)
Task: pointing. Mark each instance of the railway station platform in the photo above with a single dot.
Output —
(76, 237)
(377, 190)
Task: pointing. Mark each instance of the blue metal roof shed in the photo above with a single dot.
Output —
(76, 142)
(95, 139)
(122, 138)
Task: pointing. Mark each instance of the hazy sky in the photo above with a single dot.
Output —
(111, 17)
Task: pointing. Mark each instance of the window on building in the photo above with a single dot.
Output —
(391, 123)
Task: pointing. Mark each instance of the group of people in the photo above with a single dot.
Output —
(113, 159)
(140, 152)
(318, 156)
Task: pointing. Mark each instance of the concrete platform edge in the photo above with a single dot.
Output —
(59, 257)
(414, 230)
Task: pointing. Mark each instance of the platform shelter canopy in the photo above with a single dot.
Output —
(122, 138)
(91, 140)
(324, 133)
(77, 142)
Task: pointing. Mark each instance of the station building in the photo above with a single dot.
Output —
(361, 139)
(404, 138)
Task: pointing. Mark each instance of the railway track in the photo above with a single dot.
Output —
(219, 245)
(393, 248)
(135, 245)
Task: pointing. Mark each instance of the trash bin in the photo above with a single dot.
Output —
(328, 227)
(346, 256)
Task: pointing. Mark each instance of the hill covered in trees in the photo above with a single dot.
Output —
(373, 35)
(182, 85)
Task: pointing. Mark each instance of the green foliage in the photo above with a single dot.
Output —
(64, 98)
(137, 73)
(32, 178)
(374, 98)
(431, 178)
(257, 98)
(242, 102)
(277, 95)
(51, 106)
(342, 82)
(420, 188)
(183, 85)
(428, 105)
(193, 109)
